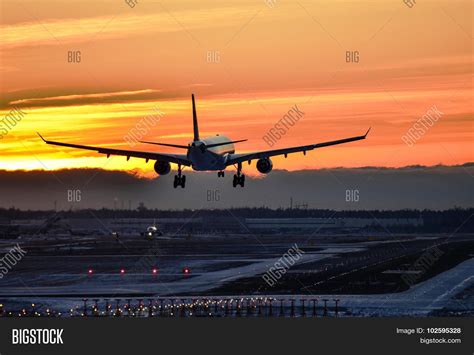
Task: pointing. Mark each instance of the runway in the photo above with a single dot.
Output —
(60, 273)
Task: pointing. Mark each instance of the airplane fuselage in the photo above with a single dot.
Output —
(210, 159)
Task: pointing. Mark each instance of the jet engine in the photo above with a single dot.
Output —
(264, 165)
(162, 167)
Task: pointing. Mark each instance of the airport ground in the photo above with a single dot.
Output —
(222, 275)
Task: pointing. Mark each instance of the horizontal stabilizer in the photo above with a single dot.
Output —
(167, 145)
(224, 143)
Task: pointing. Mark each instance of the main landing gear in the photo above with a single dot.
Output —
(239, 178)
(220, 173)
(179, 180)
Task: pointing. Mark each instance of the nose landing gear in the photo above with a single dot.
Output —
(179, 180)
(239, 178)
(220, 173)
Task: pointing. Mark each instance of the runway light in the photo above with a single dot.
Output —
(186, 270)
(154, 271)
(90, 271)
(122, 271)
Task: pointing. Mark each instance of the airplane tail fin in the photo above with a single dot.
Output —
(195, 121)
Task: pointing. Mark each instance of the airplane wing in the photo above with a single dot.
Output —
(239, 158)
(171, 158)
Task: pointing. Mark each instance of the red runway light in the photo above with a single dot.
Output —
(90, 271)
(122, 271)
(154, 271)
(186, 270)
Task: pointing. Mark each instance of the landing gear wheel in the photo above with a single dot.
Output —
(179, 180)
(220, 174)
(238, 180)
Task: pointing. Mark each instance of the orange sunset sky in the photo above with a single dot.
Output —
(269, 57)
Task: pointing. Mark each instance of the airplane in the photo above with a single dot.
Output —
(214, 153)
(153, 231)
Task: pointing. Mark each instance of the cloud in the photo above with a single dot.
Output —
(84, 96)
(71, 30)
(90, 98)
(418, 187)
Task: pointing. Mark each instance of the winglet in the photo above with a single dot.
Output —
(41, 136)
(366, 133)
